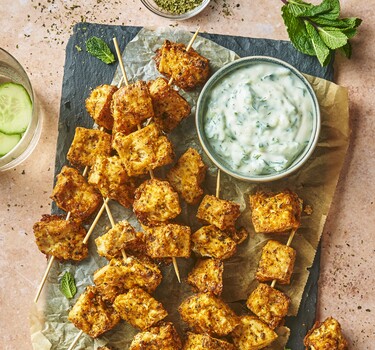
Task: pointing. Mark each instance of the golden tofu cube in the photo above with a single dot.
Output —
(131, 105)
(168, 240)
(205, 313)
(326, 335)
(109, 176)
(207, 276)
(143, 150)
(239, 235)
(87, 145)
(61, 238)
(92, 315)
(121, 236)
(164, 337)
(187, 176)
(139, 308)
(275, 213)
(73, 194)
(169, 106)
(276, 263)
(252, 334)
(219, 212)
(121, 275)
(269, 304)
(205, 342)
(98, 105)
(156, 202)
(211, 242)
(187, 68)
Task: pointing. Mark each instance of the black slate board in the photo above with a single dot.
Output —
(81, 74)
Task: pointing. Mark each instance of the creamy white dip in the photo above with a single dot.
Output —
(259, 118)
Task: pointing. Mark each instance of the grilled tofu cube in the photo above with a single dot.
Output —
(252, 334)
(139, 308)
(188, 68)
(207, 276)
(92, 315)
(164, 337)
(205, 342)
(275, 213)
(121, 275)
(131, 105)
(121, 236)
(143, 150)
(326, 335)
(187, 176)
(219, 212)
(239, 235)
(269, 304)
(98, 105)
(109, 176)
(61, 238)
(205, 313)
(156, 202)
(276, 263)
(73, 194)
(87, 145)
(168, 240)
(211, 242)
(169, 106)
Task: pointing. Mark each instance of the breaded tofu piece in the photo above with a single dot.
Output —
(109, 176)
(143, 150)
(156, 202)
(275, 213)
(207, 276)
(121, 275)
(187, 175)
(92, 315)
(239, 235)
(87, 145)
(205, 313)
(188, 68)
(211, 242)
(219, 212)
(74, 194)
(170, 107)
(131, 105)
(326, 336)
(168, 240)
(98, 105)
(205, 342)
(252, 334)
(139, 308)
(269, 304)
(276, 263)
(163, 337)
(61, 238)
(121, 236)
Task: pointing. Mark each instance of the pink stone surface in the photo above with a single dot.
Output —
(36, 33)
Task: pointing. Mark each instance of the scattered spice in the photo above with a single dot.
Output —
(178, 6)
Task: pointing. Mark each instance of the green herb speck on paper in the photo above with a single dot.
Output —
(99, 49)
(68, 285)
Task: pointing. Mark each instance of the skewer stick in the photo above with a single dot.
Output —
(218, 183)
(75, 340)
(97, 217)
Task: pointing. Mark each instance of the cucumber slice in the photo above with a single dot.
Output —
(8, 142)
(15, 108)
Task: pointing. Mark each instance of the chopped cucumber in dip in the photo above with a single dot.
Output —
(8, 142)
(15, 109)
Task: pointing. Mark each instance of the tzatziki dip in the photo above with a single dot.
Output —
(259, 118)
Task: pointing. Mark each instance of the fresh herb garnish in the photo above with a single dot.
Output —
(99, 49)
(178, 6)
(317, 30)
(68, 285)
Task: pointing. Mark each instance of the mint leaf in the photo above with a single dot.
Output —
(68, 285)
(349, 32)
(331, 8)
(99, 49)
(321, 50)
(332, 37)
(345, 23)
(346, 50)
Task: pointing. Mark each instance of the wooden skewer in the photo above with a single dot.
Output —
(97, 217)
(218, 183)
(75, 340)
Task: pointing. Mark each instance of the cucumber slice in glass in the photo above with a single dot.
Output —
(15, 108)
(8, 142)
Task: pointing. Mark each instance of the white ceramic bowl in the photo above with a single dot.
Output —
(216, 79)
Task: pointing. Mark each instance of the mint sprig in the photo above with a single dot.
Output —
(68, 285)
(99, 49)
(317, 30)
